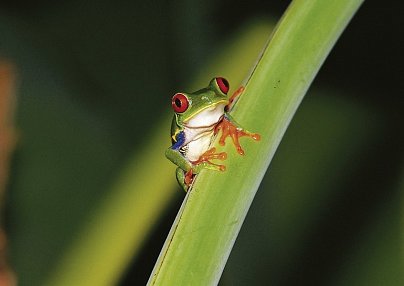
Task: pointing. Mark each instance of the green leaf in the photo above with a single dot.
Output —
(213, 211)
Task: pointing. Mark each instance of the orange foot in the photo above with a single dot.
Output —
(189, 177)
(204, 162)
(229, 129)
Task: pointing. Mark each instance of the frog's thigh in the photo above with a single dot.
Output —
(181, 178)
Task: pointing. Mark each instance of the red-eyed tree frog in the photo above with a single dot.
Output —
(198, 117)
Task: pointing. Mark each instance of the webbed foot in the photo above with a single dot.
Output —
(235, 132)
(185, 178)
(204, 161)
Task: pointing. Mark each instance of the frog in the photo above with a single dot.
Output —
(198, 118)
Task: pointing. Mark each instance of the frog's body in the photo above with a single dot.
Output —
(198, 132)
(198, 117)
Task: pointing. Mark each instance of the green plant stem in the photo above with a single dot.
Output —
(213, 211)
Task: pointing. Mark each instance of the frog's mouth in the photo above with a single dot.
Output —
(206, 117)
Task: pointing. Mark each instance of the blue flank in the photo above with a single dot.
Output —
(180, 138)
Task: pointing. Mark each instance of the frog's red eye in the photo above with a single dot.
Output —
(179, 103)
(223, 84)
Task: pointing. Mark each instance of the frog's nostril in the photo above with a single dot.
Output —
(206, 99)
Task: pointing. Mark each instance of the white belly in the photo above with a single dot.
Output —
(199, 131)
(199, 146)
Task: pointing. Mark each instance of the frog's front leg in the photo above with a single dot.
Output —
(236, 94)
(231, 128)
(187, 170)
(204, 161)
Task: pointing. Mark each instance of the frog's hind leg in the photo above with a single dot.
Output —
(184, 178)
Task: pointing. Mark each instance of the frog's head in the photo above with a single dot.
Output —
(203, 107)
